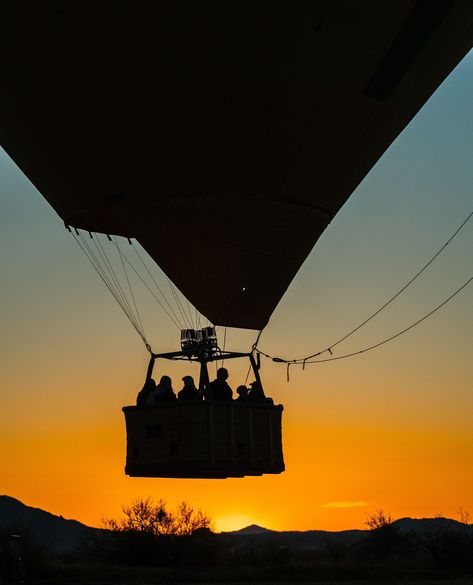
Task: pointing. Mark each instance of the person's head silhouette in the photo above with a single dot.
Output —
(188, 381)
(165, 382)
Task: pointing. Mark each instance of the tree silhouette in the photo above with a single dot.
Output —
(378, 519)
(143, 515)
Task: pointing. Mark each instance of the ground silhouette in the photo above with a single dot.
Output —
(408, 548)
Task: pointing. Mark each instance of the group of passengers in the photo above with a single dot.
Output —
(219, 389)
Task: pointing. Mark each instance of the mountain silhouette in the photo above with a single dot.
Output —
(60, 535)
(313, 539)
(55, 533)
(252, 529)
(427, 524)
(293, 539)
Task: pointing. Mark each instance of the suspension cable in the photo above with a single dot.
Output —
(129, 283)
(255, 344)
(178, 304)
(118, 291)
(109, 266)
(197, 313)
(247, 374)
(253, 349)
(404, 287)
(364, 350)
(121, 294)
(224, 343)
(388, 302)
(190, 314)
(113, 276)
(150, 290)
(158, 287)
(88, 252)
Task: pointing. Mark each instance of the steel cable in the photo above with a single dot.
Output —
(398, 334)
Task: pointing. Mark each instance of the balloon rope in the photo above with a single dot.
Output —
(398, 334)
(179, 305)
(129, 285)
(178, 324)
(328, 349)
(149, 289)
(402, 289)
(89, 254)
(224, 343)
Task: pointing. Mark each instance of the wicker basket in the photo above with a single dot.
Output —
(203, 439)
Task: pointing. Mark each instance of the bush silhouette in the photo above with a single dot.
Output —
(384, 540)
(145, 516)
(148, 534)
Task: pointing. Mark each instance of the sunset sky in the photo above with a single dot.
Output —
(389, 429)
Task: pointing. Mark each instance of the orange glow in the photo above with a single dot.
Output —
(356, 438)
(388, 429)
(233, 522)
(336, 475)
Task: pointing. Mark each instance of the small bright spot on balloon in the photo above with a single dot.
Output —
(243, 289)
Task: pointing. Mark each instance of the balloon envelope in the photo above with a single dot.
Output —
(224, 138)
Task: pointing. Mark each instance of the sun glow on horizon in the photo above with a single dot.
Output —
(233, 522)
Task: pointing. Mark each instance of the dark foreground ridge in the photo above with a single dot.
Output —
(60, 535)
(55, 533)
(317, 539)
(61, 551)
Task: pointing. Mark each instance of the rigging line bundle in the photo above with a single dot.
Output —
(157, 286)
(128, 282)
(114, 278)
(185, 317)
(194, 325)
(116, 292)
(388, 302)
(305, 361)
(103, 265)
(112, 281)
(133, 316)
(178, 325)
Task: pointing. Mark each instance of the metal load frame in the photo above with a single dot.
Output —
(204, 352)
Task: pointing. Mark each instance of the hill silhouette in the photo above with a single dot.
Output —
(252, 529)
(313, 539)
(59, 534)
(55, 533)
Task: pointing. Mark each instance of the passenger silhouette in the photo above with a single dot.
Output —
(219, 388)
(164, 391)
(189, 392)
(242, 392)
(147, 390)
(256, 393)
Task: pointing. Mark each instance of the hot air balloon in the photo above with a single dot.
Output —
(223, 139)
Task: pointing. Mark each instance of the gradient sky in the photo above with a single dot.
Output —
(389, 429)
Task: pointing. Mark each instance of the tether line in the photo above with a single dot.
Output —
(364, 350)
